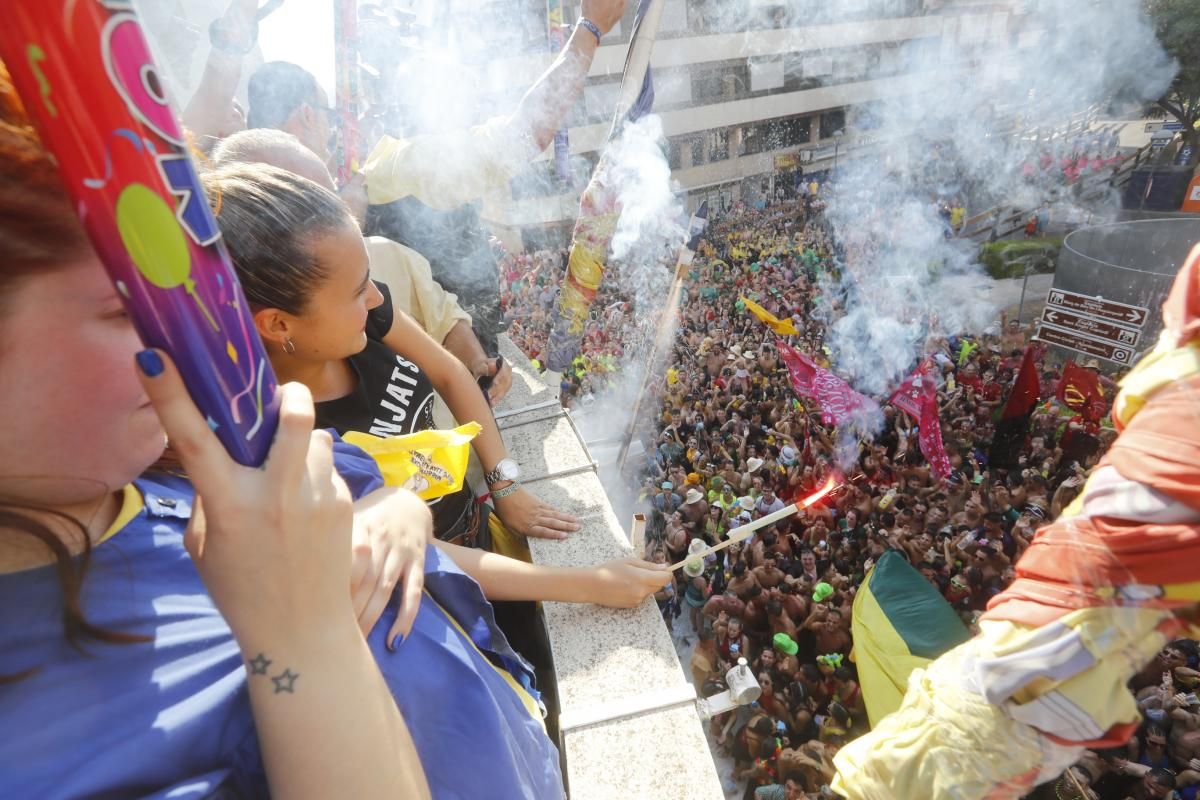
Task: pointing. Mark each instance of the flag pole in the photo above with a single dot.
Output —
(598, 208)
(662, 333)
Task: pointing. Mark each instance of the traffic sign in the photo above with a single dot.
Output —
(1091, 326)
(1173, 125)
(1089, 347)
(1122, 313)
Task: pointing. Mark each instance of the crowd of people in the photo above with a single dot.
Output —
(213, 647)
(732, 442)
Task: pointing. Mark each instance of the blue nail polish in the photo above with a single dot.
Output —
(150, 363)
(394, 643)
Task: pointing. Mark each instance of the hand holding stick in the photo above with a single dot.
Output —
(743, 532)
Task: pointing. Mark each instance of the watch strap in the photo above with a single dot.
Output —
(506, 491)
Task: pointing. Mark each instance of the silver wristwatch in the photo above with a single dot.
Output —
(506, 470)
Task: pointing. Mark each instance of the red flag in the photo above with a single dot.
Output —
(930, 433)
(909, 396)
(1080, 390)
(1026, 390)
(800, 367)
(838, 401)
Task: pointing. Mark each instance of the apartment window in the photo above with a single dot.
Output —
(718, 145)
(697, 145)
(832, 122)
(721, 82)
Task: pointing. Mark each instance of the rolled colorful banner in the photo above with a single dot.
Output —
(86, 76)
(598, 211)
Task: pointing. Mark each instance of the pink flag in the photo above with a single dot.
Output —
(908, 395)
(837, 400)
(800, 368)
(930, 434)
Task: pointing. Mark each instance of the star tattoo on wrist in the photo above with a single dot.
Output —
(285, 681)
(258, 665)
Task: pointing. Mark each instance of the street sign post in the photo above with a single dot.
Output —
(1090, 326)
(1089, 347)
(1121, 313)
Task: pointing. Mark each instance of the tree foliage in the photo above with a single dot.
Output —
(1177, 23)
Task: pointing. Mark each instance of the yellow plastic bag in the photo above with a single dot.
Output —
(431, 463)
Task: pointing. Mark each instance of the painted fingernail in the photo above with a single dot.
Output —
(150, 363)
(396, 642)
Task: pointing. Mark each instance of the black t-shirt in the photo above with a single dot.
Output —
(391, 397)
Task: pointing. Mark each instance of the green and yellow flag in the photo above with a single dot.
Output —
(901, 623)
(783, 327)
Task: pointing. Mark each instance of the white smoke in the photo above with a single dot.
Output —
(943, 135)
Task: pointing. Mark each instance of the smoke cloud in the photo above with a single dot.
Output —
(902, 278)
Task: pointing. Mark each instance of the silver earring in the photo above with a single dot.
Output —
(289, 347)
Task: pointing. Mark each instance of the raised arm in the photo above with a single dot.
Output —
(544, 107)
(207, 114)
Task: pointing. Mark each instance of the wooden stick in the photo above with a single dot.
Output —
(1083, 795)
(743, 532)
(637, 535)
(662, 339)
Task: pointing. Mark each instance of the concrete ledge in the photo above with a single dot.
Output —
(636, 733)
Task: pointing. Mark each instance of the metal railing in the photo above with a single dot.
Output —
(1001, 221)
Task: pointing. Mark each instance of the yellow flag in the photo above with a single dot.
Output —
(431, 463)
(783, 327)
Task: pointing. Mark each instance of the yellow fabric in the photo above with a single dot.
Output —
(447, 169)
(431, 463)
(948, 740)
(782, 327)
(131, 504)
(526, 699)
(507, 543)
(414, 291)
(883, 660)
(1163, 365)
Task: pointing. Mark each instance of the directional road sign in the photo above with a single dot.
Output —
(1122, 313)
(1081, 344)
(1091, 326)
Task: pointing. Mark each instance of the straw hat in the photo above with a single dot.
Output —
(754, 464)
(693, 496)
(746, 503)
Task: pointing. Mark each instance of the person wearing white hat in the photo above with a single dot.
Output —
(788, 455)
(693, 512)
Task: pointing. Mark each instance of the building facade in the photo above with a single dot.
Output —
(756, 97)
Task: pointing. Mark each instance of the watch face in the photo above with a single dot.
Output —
(508, 470)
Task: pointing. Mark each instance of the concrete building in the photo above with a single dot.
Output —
(753, 94)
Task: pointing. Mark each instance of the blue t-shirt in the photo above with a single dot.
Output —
(171, 717)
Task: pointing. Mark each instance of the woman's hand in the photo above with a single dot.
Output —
(501, 374)
(392, 528)
(626, 582)
(272, 544)
(523, 513)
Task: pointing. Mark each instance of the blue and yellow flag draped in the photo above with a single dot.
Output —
(900, 623)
